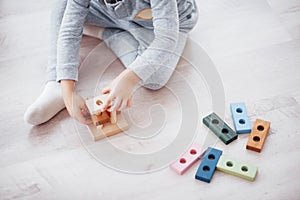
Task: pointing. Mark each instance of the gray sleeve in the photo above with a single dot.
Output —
(69, 39)
(166, 31)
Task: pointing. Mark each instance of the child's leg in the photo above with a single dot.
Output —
(57, 13)
(160, 78)
(128, 47)
(122, 43)
(50, 101)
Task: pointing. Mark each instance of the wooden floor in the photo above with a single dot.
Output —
(253, 46)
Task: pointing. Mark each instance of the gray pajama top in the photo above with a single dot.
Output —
(168, 19)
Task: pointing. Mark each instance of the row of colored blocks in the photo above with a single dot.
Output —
(242, 125)
(211, 160)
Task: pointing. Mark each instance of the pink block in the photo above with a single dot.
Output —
(187, 159)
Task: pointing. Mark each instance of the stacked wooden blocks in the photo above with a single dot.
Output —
(105, 123)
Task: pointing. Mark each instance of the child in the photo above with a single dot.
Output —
(148, 36)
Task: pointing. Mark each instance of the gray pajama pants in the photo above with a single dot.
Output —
(126, 39)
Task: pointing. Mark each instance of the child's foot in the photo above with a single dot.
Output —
(46, 106)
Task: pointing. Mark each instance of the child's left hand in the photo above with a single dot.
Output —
(120, 91)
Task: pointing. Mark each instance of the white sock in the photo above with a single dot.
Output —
(48, 104)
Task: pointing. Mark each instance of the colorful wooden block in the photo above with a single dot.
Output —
(185, 161)
(207, 167)
(258, 135)
(240, 118)
(235, 168)
(220, 128)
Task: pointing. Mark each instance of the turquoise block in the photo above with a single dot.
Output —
(208, 164)
(240, 118)
(236, 168)
(220, 128)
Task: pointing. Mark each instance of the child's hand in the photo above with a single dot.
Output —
(75, 104)
(120, 91)
(78, 110)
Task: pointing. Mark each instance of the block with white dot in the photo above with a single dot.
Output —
(240, 118)
(190, 157)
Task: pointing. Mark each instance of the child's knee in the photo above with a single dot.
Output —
(158, 80)
(153, 86)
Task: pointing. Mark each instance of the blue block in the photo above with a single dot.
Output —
(208, 165)
(240, 118)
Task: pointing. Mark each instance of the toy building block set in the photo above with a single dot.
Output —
(213, 159)
(105, 123)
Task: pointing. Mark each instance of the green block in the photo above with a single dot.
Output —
(220, 128)
(235, 168)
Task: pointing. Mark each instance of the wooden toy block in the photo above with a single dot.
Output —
(240, 118)
(220, 128)
(207, 167)
(113, 117)
(235, 168)
(108, 129)
(188, 159)
(94, 104)
(94, 107)
(258, 135)
(105, 123)
(102, 118)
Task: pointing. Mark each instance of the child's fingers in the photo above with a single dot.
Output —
(106, 90)
(117, 103)
(88, 121)
(79, 116)
(107, 103)
(123, 105)
(129, 102)
(85, 113)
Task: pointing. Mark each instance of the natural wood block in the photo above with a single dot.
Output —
(108, 129)
(98, 117)
(102, 118)
(258, 135)
(94, 104)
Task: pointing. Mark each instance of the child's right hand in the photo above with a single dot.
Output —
(75, 104)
